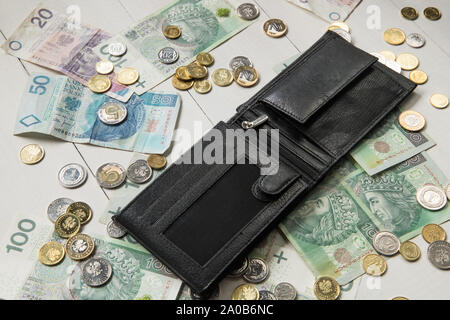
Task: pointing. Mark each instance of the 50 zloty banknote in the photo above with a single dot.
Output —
(64, 108)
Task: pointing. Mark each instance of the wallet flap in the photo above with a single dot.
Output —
(276, 183)
(305, 87)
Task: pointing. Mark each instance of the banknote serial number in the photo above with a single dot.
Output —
(234, 309)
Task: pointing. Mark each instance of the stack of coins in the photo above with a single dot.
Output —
(194, 74)
(342, 29)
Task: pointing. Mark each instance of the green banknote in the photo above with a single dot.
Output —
(332, 228)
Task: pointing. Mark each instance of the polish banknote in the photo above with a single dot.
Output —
(64, 108)
(329, 10)
(202, 30)
(47, 37)
(332, 228)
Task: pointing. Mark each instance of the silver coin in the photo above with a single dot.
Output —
(57, 208)
(111, 175)
(240, 61)
(447, 191)
(415, 40)
(394, 65)
(439, 254)
(72, 175)
(117, 49)
(266, 295)
(257, 271)
(386, 243)
(239, 268)
(168, 55)
(344, 34)
(96, 272)
(112, 112)
(139, 171)
(115, 230)
(248, 11)
(431, 197)
(381, 58)
(285, 291)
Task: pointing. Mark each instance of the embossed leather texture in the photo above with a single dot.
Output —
(200, 218)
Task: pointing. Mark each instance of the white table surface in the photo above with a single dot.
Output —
(26, 188)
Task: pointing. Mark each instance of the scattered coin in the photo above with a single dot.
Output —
(433, 232)
(205, 59)
(374, 265)
(240, 61)
(379, 56)
(285, 291)
(67, 225)
(415, 40)
(245, 291)
(196, 71)
(344, 34)
(99, 83)
(239, 269)
(410, 251)
(266, 295)
(81, 210)
(400, 298)
(246, 76)
(431, 197)
(117, 49)
(172, 32)
(275, 28)
(182, 74)
(96, 272)
(115, 230)
(181, 84)
(389, 55)
(80, 246)
(111, 175)
(104, 67)
(386, 243)
(222, 77)
(168, 55)
(394, 36)
(139, 172)
(257, 271)
(156, 161)
(432, 13)
(248, 11)
(410, 13)
(439, 254)
(202, 86)
(339, 25)
(418, 76)
(411, 120)
(112, 112)
(407, 61)
(394, 66)
(51, 253)
(326, 288)
(439, 101)
(32, 153)
(72, 175)
(127, 76)
(57, 208)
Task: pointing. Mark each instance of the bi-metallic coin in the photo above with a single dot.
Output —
(112, 112)
(80, 246)
(111, 175)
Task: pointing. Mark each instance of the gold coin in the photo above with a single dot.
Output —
(394, 36)
(275, 28)
(180, 84)
(172, 32)
(196, 71)
(326, 288)
(222, 77)
(99, 83)
(439, 101)
(374, 265)
(202, 86)
(104, 67)
(81, 210)
(411, 120)
(409, 13)
(432, 13)
(182, 74)
(339, 25)
(32, 154)
(407, 61)
(389, 55)
(245, 291)
(67, 225)
(205, 59)
(246, 76)
(410, 251)
(127, 76)
(80, 246)
(400, 298)
(433, 232)
(156, 161)
(418, 76)
(51, 253)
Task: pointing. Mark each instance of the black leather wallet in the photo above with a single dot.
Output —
(200, 218)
